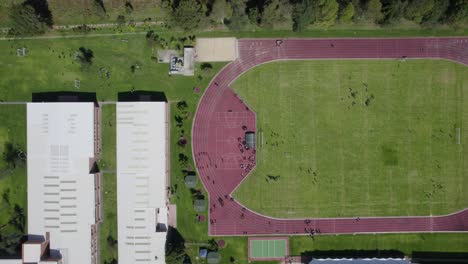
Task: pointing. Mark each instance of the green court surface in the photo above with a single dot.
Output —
(267, 248)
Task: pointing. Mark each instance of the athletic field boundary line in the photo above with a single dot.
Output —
(353, 218)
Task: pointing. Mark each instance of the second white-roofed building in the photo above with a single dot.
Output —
(141, 181)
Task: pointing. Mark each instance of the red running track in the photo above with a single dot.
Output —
(222, 119)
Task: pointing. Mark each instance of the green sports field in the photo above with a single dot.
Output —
(357, 138)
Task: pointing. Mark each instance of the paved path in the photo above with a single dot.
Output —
(13, 103)
(101, 25)
(24, 102)
(106, 25)
(77, 36)
(222, 118)
(108, 171)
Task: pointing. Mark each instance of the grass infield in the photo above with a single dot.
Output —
(357, 138)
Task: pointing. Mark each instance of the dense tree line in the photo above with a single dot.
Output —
(300, 14)
(34, 17)
(12, 225)
(30, 17)
(12, 228)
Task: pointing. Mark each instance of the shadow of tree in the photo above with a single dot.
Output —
(307, 256)
(175, 246)
(41, 7)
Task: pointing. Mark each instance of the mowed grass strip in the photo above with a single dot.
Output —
(357, 138)
(108, 228)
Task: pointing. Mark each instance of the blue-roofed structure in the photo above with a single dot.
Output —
(203, 253)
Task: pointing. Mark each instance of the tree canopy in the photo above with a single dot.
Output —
(187, 14)
(85, 57)
(25, 21)
(458, 12)
(347, 13)
(373, 11)
(239, 19)
(327, 12)
(417, 10)
(275, 12)
(393, 10)
(13, 155)
(303, 15)
(220, 10)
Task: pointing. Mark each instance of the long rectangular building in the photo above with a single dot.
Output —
(63, 188)
(141, 181)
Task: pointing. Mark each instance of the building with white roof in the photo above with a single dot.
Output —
(63, 190)
(141, 181)
(183, 65)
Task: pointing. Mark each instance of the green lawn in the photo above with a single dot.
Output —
(13, 186)
(366, 138)
(51, 66)
(108, 126)
(182, 196)
(108, 228)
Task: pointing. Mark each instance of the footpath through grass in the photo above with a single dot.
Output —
(358, 138)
